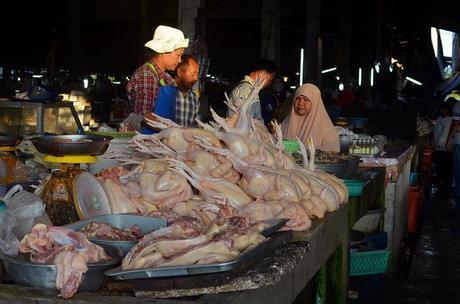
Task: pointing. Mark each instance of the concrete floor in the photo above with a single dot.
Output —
(429, 269)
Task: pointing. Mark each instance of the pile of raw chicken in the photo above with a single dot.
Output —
(214, 184)
(228, 169)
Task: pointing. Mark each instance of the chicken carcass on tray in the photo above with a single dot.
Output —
(104, 231)
(186, 242)
(69, 250)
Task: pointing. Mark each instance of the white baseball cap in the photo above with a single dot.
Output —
(167, 39)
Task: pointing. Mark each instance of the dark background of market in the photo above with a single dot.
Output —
(72, 39)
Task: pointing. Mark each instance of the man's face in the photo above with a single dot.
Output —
(188, 74)
(268, 77)
(173, 59)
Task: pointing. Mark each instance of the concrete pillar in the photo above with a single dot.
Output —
(312, 58)
(146, 30)
(270, 31)
(188, 12)
(344, 54)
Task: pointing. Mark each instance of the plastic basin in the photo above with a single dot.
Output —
(291, 145)
(355, 187)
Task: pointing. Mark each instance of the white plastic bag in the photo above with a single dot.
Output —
(9, 243)
(24, 210)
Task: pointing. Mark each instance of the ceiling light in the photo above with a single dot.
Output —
(328, 70)
(360, 76)
(413, 80)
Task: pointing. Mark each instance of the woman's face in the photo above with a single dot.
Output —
(172, 59)
(302, 105)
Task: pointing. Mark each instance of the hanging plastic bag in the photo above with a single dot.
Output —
(24, 210)
(9, 243)
(28, 209)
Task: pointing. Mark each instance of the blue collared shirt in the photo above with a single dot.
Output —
(187, 108)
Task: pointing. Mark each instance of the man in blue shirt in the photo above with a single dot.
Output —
(187, 99)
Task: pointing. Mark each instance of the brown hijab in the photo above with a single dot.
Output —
(316, 123)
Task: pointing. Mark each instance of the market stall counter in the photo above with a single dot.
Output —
(278, 278)
(397, 163)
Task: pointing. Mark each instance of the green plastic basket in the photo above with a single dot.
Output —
(291, 145)
(369, 262)
(355, 187)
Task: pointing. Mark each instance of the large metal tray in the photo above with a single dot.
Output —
(24, 272)
(60, 145)
(120, 221)
(273, 225)
(249, 257)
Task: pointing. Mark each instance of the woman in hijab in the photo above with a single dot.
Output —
(309, 118)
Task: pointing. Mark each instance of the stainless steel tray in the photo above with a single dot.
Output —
(60, 145)
(120, 221)
(249, 257)
(24, 272)
(273, 226)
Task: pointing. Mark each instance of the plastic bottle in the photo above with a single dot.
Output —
(375, 149)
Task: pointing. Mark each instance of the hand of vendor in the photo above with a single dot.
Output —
(131, 123)
(149, 116)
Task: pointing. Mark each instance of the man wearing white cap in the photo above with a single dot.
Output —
(151, 88)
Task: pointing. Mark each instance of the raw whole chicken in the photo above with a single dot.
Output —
(119, 200)
(164, 189)
(211, 188)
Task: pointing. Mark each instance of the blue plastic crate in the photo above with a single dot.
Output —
(377, 241)
(369, 262)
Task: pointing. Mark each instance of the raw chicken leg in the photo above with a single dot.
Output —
(70, 267)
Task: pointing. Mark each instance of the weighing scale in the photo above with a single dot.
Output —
(8, 157)
(71, 193)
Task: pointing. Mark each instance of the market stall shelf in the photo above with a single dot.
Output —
(397, 165)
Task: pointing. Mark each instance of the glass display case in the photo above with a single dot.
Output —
(19, 118)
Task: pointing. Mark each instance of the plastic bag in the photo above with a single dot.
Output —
(9, 243)
(24, 210)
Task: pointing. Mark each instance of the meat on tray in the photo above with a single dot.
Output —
(185, 242)
(104, 231)
(69, 250)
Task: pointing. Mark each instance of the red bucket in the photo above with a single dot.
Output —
(412, 209)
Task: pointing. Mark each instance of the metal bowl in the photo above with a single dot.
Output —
(120, 221)
(353, 164)
(7, 140)
(337, 169)
(60, 145)
(26, 273)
